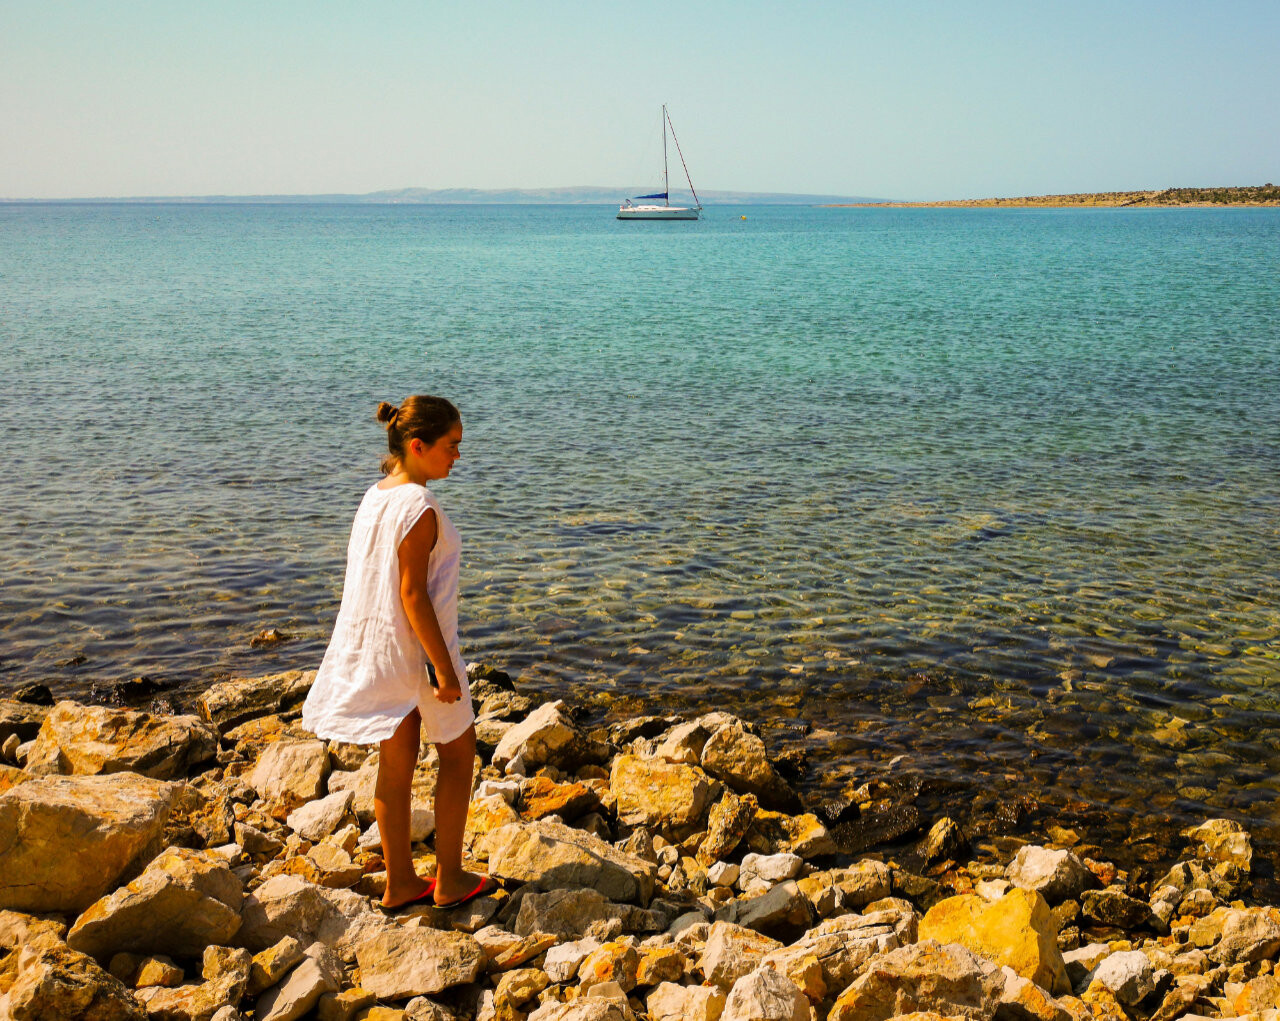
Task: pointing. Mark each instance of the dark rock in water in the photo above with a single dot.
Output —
(626, 731)
(269, 636)
(1112, 907)
(791, 763)
(920, 890)
(944, 840)
(130, 692)
(835, 811)
(485, 680)
(876, 826)
(33, 694)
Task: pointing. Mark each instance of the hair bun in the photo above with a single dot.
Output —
(387, 412)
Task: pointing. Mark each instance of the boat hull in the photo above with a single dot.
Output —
(657, 213)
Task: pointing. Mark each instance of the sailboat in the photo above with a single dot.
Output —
(630, 211)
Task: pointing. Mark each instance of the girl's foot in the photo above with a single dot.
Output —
(462, 888)
(393, 899)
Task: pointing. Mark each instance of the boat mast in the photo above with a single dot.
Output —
(666, 183)
(697, 201)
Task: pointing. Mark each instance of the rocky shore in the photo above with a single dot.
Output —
(225, 865)
(1238, 195)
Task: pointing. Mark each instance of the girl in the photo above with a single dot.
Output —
(392, 669)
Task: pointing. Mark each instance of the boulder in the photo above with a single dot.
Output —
(1016, 930)
(157, 970)
(225, 971)
(361, 783)
(541, 797)
(522, 950)
(727, 824)
(802, 835)
(765, 995)
(928, 976)
(551, 855)
(768, 869)
(665, 797)
(401, 962)
(782, 912)
(1055, 875)
(843, 945)
(317, 819)
(683, 743)
(1238, 935)
(102, 824)
(732, 951)
(671, 1002)
(569, 913)
(587, 1009)
(615, 961)
(184, 901)
(516, 988)
(1128, 974)
(564, 959)
(738, 757)
(546, 737)
(1223, 840)
(301, 989)
(660, 964)
(1023, 1000)
(87, 740)
(17, 929)
(230, 703)
(944, 840)
(291, 906)
(51, 982)
(269, 966)
(1113, 907)
(290, 773)
(863, 883)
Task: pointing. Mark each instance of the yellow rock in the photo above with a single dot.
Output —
(158, 971)
(1016, 930)
(1103, 1003)
(1259, 994)
(806, 973)
(660, 964)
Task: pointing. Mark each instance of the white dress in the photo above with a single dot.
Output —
(374, 672)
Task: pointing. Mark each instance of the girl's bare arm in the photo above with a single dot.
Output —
(415, 554)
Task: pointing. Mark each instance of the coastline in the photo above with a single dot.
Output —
(661, 867)
(1193, 198)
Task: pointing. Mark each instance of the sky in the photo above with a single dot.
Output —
(902, 100)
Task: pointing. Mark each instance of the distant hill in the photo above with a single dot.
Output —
(1245, 195)
(501, 196)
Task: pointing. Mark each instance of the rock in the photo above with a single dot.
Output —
(732, 951)
(886, 824)
(484, 816)
(102, 824)
(727, 824)
(1128, 975)
(269, 966)
(768, 869)
(422, 823)
(1238, 935)
(552, 855)
(230, 703)
(723, 873)
(1023, 1000)
(683, 743)
(541, 797)
(290, 773)
(1224, 841)
(783, 912)
(516, 988)
(660, 964)
(88, 740)
(1258, 994)
(944, 840)
(568, 914)
(51, 982)
(664, 797)
(1055, 875)
(737, 757)
(671, 1002)
(301, 989)
(587, 1009)
(361, 783)
(151, 971)
(292, 906)
(18, 929)
(615, 961)
(803, 835)
(325, 865)
(546, 737)
(508, 790)
(764, 995)
(256, 841)
(347, 1003)
(400, 962)
(183, 901)
(1080, 962)
(225, 971)
(842, 946)
(317, 819)
(562, 961)
(863, 883)
(928, 976)
(21, 719)
(1016, 930)
(1113, 907)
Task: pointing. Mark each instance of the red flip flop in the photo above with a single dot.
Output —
(480, 889)
(425, 897)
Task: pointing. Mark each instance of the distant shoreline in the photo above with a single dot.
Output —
(1262, 195)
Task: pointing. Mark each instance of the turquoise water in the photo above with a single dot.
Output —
(997, 489)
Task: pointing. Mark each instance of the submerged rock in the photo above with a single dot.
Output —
(230, 703)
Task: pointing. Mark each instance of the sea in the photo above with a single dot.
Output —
(982, 501)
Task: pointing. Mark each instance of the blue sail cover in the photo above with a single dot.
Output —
(658, 195)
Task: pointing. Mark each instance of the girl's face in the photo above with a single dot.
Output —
(435, 460)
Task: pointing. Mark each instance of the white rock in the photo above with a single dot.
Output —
(585, 1009)
(1056, 875)
(765, 995)
(723, 873)
(505, 789)
(671, 1002)
(299, 991)
(422, 823)
(544, 737)
(317, 819)
(1128, 974)
(562, 961)
(768, 868)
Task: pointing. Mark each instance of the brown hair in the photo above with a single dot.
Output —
(418, 418)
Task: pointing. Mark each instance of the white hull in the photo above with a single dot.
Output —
(657, 213)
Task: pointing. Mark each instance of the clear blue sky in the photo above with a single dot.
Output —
(902, 99)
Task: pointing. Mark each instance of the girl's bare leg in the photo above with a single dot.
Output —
(397, 757)
(453, 795)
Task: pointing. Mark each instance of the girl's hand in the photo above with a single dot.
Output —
(448, 692)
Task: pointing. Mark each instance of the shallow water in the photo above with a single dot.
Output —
(998, 489)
